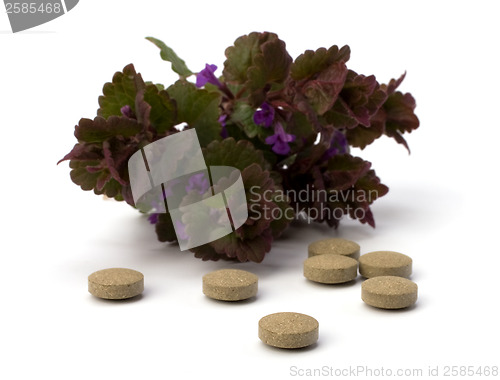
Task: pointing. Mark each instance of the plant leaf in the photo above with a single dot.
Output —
(99, 181)
(353, 187)
(199, 108)
(270, 65)
(399, 116)
(239, 154)
(322, 92)
(165, 228)
(361, 136)
(100, 129)
(313, 62)
(344, 170)
(242, 115)
(120, 92)
(86, 179)
(241, 55)
(260, 62)
(267, 220)
(163, 110)
(361, 98)
(167, 54)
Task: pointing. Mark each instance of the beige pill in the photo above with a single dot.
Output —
(385, 263)
(288, 330)
(116, 283)
(335, 246)
(230, 285)
(389, 292)
(330, 269)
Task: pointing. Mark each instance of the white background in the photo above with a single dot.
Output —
(442, 208)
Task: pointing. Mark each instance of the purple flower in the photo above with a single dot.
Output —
(207, 76)
(222, 121)
(280, 140)
(156, 205)
(338, 145)
(127, 112)
(264, 115)
(199, 183)
(153, 218)
(180, 230)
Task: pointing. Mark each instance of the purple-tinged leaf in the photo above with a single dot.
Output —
(120, 92)
(312, 62)
(323, 91)
(362, 97)
(240, 56)
(100, 129)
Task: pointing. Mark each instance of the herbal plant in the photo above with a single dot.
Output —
(287, 125)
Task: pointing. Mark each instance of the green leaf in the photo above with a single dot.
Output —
(100, 129)
(240, 56)
(239, 154)
(199, 108)
(120, 92)
(270, 65)
(243, 116)
(163, 110)
(312, 62)
(260, 62)
(167, 54)
(158, 85)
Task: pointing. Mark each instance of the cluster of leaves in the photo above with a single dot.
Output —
(286, 124)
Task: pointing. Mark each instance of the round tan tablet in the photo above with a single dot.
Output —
(116, 283)
(330, 268)
(389, 292)
(385, 263)
(230, 285)
(288, 330)
(336, 246)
